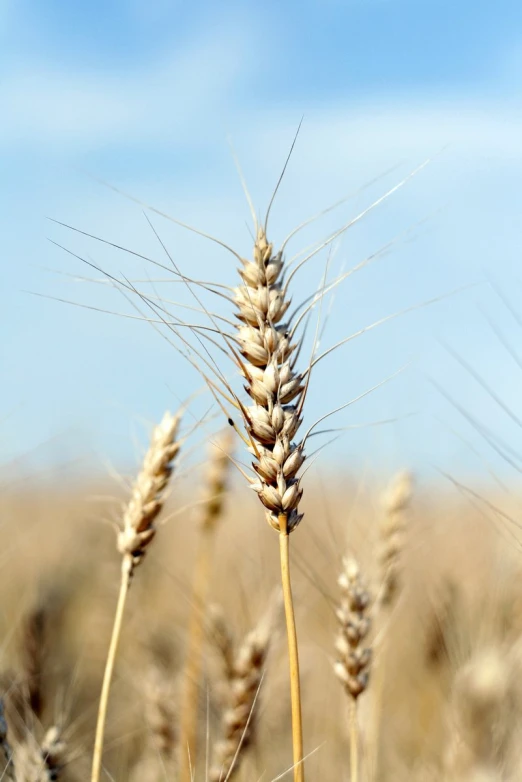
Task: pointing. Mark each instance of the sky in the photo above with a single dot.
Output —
(151, 97)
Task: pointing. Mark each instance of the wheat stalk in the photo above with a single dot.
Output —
(396, 501)
(212, 508)
(354, 658)
(137, 532)
(159, 711)
(244, 671)
(272, 422)
(158, 757)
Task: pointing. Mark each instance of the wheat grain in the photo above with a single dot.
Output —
(146, 499)
(352, 667)
(275, 387)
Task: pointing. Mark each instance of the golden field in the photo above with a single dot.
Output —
(457, 618)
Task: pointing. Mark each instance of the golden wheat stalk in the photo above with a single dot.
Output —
(396, 501)
(137, 532)
(157, 759)
(272, 422)
(212, 508)
(353, 663)
(243, 674)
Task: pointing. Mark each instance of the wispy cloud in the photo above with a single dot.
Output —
(169, 99)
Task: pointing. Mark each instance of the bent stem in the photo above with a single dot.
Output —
(293, 652)
(126, 572)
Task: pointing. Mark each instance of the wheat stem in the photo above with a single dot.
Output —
(215, 490)
(189, 719)
(354, 742)
(293, 652)
(126, 571)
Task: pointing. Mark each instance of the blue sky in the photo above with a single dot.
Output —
(145, 94)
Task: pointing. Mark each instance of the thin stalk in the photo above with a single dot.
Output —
(293, 652)
(375, 722)
(354, 742)
(189, 719)
(126, 572)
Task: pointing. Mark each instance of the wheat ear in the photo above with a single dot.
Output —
(354, 658)
(243, 675)
(53, 750)
(272, 422)
(158, 756)
(135, 536)
(212, 508)
(41, 762)
(396, 500)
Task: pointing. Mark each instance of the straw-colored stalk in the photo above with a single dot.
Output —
(395, 503)
(353, 663)
(243, 672)
(212, 508)
(137, 532)
(272, 421)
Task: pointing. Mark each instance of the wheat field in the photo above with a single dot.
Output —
(458, 617)
(170, 625)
